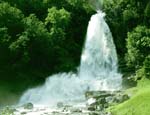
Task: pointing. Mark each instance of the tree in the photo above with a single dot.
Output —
(147, 14)
(29, 7)
(130, 15)
(11, 17)
(4, 37)
(33, 46)
(10, 27)
(4, 42)
(138, 45)
(147, 10)
(57, 18)
(57, 22)
(147, 66)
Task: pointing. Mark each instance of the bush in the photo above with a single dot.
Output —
(138, 45)
(11, 17)
(147, 67)
(147, 10)
(33, 46)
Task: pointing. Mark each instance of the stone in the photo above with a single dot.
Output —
(106, 105)
(125, 97)
(28, 106)
(99, 107)
(109, 99)
(97, 94)
(91, 101)
(23, 113)
(108, 113)
(92, 108)
(60, 104)
(121, 98)
(101, 100)
(76, 110)
(94, 113)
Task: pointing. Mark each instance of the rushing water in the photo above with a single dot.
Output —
(97, 71)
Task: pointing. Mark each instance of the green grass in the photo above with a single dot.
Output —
(139, 104)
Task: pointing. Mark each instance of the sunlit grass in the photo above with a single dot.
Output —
(139, 104)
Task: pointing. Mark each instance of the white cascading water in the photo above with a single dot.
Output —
(97, 71)
(99, 57)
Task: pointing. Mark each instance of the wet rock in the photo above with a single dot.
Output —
(76, 110)
(109, 99)
(101, 101)
(28, 106)
(94, 113)
(55, 112)
(97, 100)
(98, 113)
(124, 97)
(106, 105)
(91, 101)
(60, 104)
(92, 108)
(97, 94)
(23, 113)
(99, 107)
(119, 98)
(108, 113)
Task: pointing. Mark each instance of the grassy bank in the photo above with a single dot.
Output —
(139, 104)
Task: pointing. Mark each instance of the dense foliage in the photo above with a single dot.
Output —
(138, 45)
(129, 21)
(46, 36)
(41, 37)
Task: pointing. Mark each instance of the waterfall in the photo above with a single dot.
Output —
(99, 57)
(97, 71)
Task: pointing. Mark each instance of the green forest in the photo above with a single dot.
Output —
(39, 38)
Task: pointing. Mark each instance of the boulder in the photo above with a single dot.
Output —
(91, 101)
(97, 94)
(76, 110)
(60, 104)
(92, 108)
(28, 106)
(121, 98)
